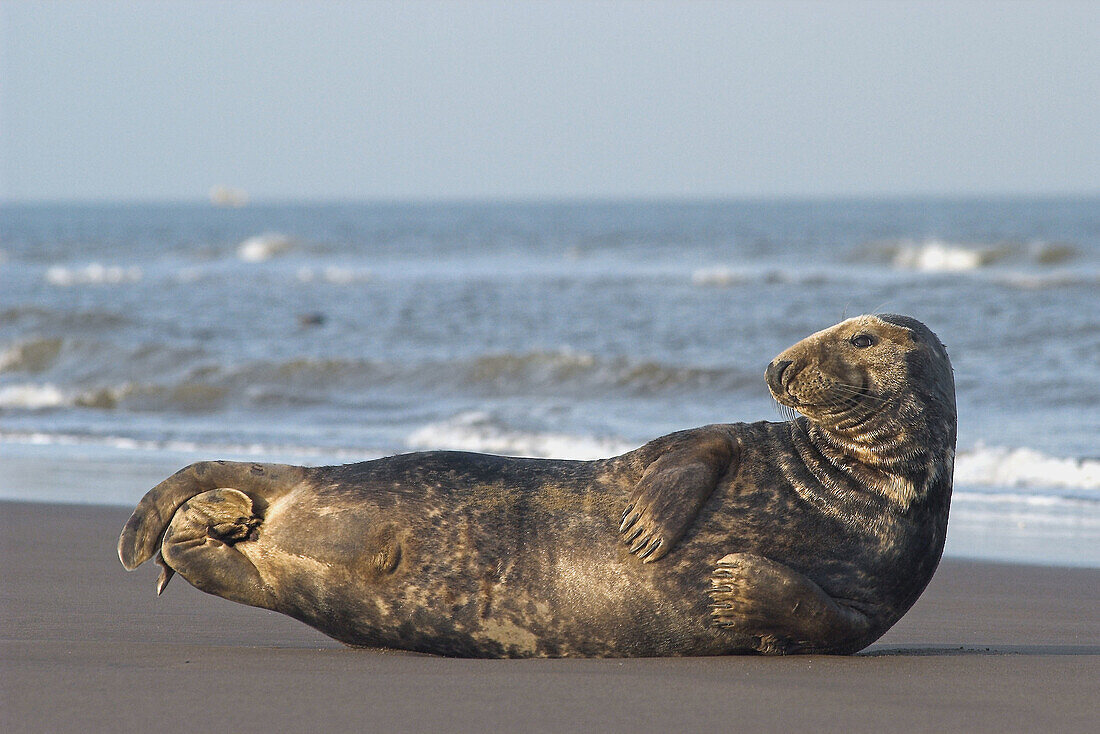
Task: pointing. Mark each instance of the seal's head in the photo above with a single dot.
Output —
(868, 378)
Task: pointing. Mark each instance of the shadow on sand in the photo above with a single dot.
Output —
(974, 650)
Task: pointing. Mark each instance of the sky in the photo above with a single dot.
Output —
(535, 100)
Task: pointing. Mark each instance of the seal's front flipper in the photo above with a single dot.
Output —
(778, 611)
(664, 503)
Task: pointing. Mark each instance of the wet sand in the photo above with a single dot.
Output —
(88, 647)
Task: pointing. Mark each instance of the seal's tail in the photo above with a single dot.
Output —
(141, 537)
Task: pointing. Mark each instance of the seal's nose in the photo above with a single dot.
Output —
(774, 374)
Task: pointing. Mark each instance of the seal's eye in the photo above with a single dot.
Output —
(862, 341)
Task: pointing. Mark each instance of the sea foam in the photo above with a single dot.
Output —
(940, 257)
(92, 274)
(264, 247)
(476, 431)
(256, 450)
(28, 396)
(1025, 467)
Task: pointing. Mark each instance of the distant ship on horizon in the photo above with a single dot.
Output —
(225, 196)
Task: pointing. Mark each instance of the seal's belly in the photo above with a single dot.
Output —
(471, 579)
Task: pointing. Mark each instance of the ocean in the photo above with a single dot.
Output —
(158, 334)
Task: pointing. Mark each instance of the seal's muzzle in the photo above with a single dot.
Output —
(774, 375)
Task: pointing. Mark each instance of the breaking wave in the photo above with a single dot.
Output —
(185, 396)
(264, 247)
(938, 256)
(1024, 467)
(37, 317)
(476, 431)
(276, 451)
(32, 355)
(579, 371)
(29, 396)
(193, 380)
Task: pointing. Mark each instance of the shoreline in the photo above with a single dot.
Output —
(97, 476)
(88, 647)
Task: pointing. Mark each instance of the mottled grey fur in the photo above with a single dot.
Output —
(813, 535)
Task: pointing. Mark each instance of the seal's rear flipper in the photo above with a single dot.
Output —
(224, 515)
(778, 611)
(141, 537)
(201, 544)
(664, 503)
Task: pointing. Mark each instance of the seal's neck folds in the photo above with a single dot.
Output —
(903, 452)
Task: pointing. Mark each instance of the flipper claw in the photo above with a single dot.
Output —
(652, 549)
(641, 543)
(628, 521)
(166, 573)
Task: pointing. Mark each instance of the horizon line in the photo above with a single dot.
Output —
(556, 199)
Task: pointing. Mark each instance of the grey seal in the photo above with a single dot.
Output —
(811, 535)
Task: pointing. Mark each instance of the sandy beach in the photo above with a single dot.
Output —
(88, 647)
